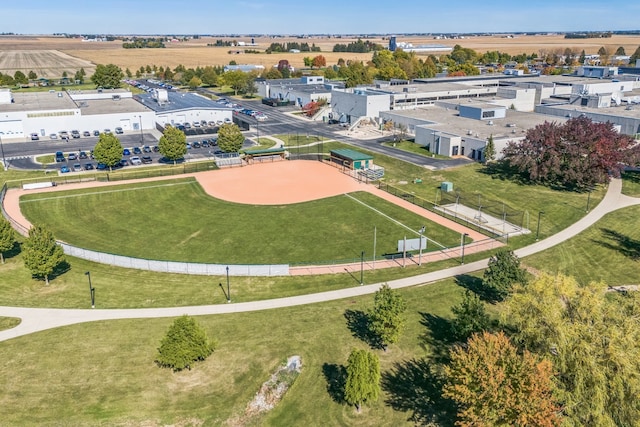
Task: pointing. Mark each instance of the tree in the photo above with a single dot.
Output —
(173, 144)
(386, 319)
(250, 88)
(502, 273)
(489, 150)
(236, 79)
(209, 76)
(230, 138)
(576, 155)
(185, 342)
(494, 385)
(308, 61)
(7, 237)
(271, 73)
(78, 77)
(195, 82)
(20, 78)
(363, 378)
(319, 61)
(620, 51)
(107, 76)
(469, 317)
(583, 57)
(591, 337)
(32, 75)
(633, 58)
(128, 73)
(41, 254)
(108, 150)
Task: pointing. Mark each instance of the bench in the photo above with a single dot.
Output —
(396, 255)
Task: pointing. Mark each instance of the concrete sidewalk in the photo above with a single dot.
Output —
(39, 319)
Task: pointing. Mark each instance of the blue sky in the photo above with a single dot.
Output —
(308, 17)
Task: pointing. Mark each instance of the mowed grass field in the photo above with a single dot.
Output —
(177, 221)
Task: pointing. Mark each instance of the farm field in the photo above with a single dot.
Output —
(196, 53)
(45, 63)
(135, 220)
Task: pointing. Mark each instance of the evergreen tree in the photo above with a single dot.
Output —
(387, 319)
(502, 273)
(7, 237)
(108, 150)
(230, 138)
(489, 150)
(470, 317)
(363, 378)
(173, 144)
(41, 254)
(185, 342)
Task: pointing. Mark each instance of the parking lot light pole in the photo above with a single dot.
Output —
(92, 290)
(421, 231)
(462, 244)
(141, 133)
(362, 268)
(228, 289)
(538, 227)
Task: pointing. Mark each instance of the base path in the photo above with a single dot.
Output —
(39, 319)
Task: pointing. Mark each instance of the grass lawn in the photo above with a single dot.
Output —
(631, 184)
(412, 147)
(8, 322)
(297, 139)
(103, 373)
(609, 251)
(135, 221)
(46, 159)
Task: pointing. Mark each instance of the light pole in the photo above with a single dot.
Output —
(228, 289)
(362, 268)
(421, 231)
(4, 162)
(538, 227)
(141, 133)
(462, 244)
(92, 290)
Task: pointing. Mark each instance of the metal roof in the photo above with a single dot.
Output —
(350, 154)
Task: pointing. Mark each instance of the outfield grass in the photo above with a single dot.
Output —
(136, 221)
(609, 251)
(102, 373)
(8, 322)
(296, 139)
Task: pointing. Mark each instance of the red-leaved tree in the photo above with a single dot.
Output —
(577, 154)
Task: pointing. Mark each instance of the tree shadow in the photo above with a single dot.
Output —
(13, 252)
(474, 284)
(414, 386)
(438, 337)
(61, 269)
(619, 242)
(336, 377)
(358, 324)
(504, 172)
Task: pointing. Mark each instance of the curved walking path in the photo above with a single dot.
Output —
(39, 319)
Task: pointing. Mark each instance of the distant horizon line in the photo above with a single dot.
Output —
(336, 35)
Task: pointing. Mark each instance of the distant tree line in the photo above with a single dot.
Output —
(139, 43)
(589, 35)
(286, 47)
(358, 46)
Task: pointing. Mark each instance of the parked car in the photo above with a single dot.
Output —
(188, 146)
(83, 155)
(60, 157)
(72, 156)
(53, 136)
(126, 152)
(227, 120)
(135, 160)
(156, 149)
(124, 162)
(137, 150)
(119, 130)
(205, 144)
(88, 166)
(146, 149)
(75, 134)
(35, 137)
(87, 133)
(195, 144)
(147, 159)
(77, 167)
(64, 169)
(107, 131)
(101, 166)
(96, 133)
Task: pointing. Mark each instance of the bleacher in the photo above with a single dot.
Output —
(372, 174)
(228, 160)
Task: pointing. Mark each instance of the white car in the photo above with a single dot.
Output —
(135, 160)
(227, 120)
(260, 117)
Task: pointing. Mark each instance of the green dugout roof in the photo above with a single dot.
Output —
(264, 151)
(353, 155)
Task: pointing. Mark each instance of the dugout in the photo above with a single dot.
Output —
(352, 159)
(266, 154)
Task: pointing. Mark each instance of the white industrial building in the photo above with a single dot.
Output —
(298, 91)
(46, 113)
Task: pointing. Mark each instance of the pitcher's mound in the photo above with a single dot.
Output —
(278, 183)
